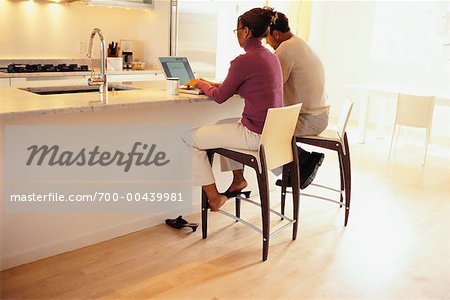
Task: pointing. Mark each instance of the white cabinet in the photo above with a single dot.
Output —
(48, 81)
(4, 82)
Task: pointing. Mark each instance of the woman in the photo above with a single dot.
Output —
(256, 76)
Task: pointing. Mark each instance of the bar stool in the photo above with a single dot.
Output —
(277, 148)
(334, 140)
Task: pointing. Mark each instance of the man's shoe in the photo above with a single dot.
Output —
(309, 172)
(280, 183)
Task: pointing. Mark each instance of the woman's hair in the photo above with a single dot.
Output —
(280, 22)
(257, 20)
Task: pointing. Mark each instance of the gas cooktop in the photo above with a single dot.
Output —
(35, 68)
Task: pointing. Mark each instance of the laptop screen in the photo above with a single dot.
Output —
(177, 67)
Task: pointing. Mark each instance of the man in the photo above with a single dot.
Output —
(304, 82)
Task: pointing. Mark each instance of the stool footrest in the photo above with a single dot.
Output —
(278, 230)
(322, 186)
(320, 197)
(259, 205)
(241, 221)
(326, 187)
(282, 227)
(323, 198)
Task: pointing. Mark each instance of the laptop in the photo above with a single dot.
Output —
(179, 67)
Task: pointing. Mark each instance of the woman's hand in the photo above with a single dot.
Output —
(192, 82)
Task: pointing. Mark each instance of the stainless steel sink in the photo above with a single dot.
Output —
(73, 89)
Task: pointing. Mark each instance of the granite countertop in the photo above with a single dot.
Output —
(18, 103)
(60, 74)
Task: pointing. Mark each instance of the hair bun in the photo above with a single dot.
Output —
(268, 8)
(258, 20)
(269, 13)
(274, 18)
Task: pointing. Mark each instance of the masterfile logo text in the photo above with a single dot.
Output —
(53, 155)
(95, 168)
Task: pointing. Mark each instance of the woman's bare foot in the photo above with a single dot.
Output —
(239, 183)
(215, 200)
(237, 186)
(216, 203)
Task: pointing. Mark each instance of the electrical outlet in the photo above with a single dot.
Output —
(82, 47)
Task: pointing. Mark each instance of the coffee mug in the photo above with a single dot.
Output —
(172, 85)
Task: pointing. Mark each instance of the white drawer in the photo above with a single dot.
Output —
(4, 82)
(48, 81)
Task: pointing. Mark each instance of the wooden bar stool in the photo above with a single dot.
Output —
(334, 140)
(277, 148)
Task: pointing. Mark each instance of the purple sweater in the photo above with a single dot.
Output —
(256, 76)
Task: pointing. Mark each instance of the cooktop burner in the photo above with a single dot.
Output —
(35, 68)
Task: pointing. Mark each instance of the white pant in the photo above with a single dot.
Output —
(229, 133)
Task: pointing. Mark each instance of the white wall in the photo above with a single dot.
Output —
(36, 30)
(342, 32)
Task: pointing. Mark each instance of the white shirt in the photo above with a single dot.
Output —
(303, 76)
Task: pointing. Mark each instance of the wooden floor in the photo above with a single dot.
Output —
(396, 246)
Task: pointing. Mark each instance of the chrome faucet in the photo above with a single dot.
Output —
(100, 81)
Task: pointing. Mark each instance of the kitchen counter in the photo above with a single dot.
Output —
(18, 103)
(28, 237)
(60, 74)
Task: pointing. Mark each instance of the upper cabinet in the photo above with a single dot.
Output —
(120, 3)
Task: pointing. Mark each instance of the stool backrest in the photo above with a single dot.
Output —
(344, 117)
(415, 111)
(277, 134)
